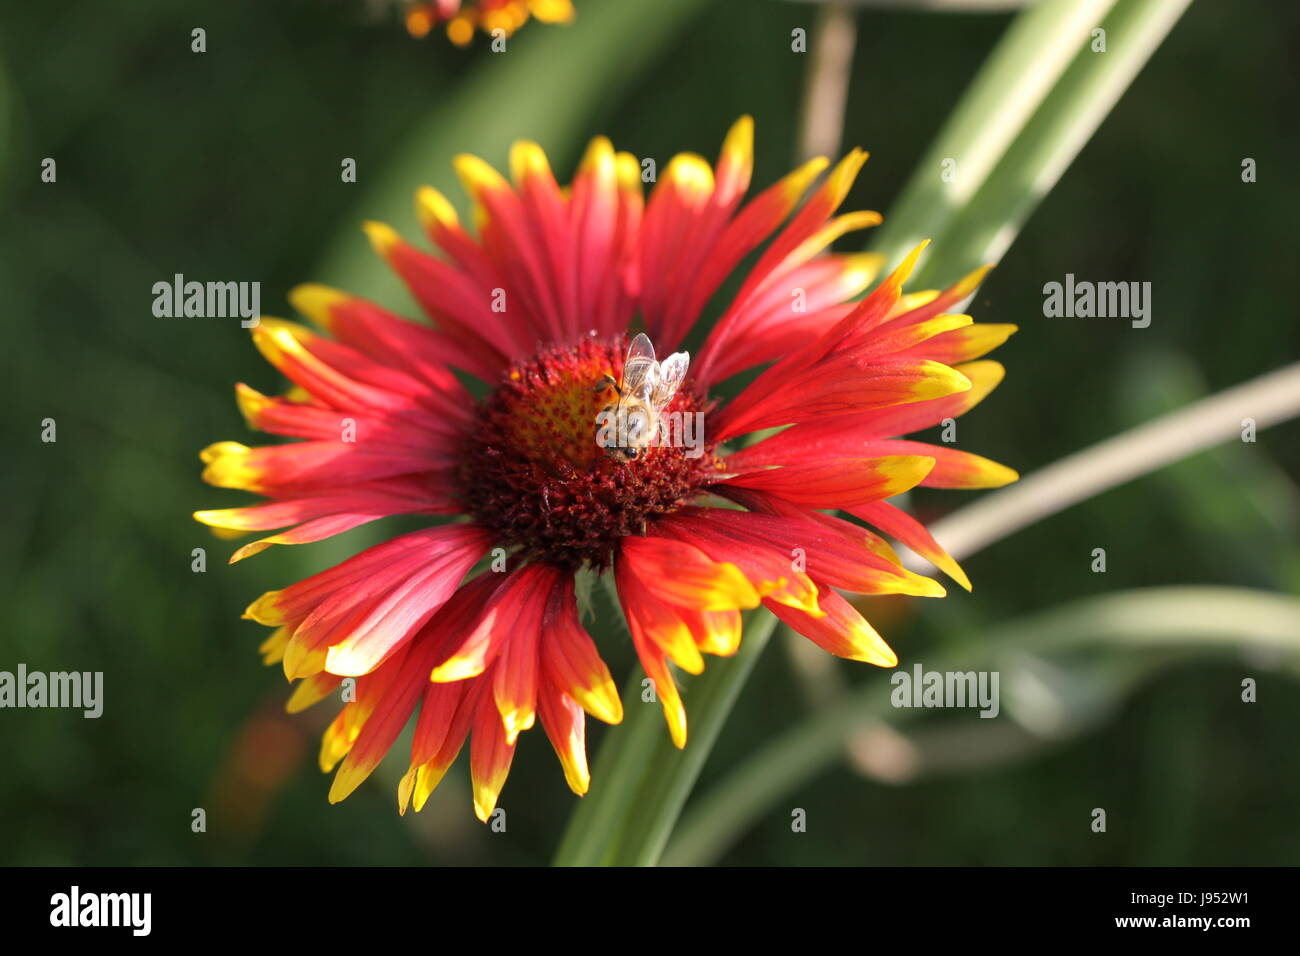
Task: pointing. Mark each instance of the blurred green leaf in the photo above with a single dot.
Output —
(1033, 107)
(1179, 619)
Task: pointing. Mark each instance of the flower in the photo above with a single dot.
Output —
(475, 622)
(463, 16)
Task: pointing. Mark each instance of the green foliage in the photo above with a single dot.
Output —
(226, 164)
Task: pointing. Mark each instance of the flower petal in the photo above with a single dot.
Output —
(683, 575)
(565, 726)
(841, 630)
(519, 598)
(490, 755)
(839, 482)
(571, 662)
(359, 626)
(911, 534)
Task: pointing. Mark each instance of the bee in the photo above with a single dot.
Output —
(628, 425)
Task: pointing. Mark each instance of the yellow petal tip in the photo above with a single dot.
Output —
(435, 210)
(383, 237)
(316, 301)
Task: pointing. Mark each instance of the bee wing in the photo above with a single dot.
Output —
(641, 347)
(672, 371)
(640, 370)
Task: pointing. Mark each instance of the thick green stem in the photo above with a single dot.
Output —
(984, 230)
(596, 825)
(671, 773)
(1008, 90)
(640, 781)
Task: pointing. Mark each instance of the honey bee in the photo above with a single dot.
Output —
(629, 425)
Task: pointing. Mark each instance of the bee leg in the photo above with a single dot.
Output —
(643, 527)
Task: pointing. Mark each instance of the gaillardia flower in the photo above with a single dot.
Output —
(474, 622)
(463, 17)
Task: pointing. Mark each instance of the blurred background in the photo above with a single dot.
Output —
(225, 165)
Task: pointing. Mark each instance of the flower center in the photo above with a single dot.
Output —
(535, 472)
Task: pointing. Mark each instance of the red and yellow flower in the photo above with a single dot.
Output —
(462, 17)
(473, 623)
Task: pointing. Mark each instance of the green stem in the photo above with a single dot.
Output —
(671, 773)
(640, 781)
(1047, 145)
(1267, 400)
(596, 824)
(827, 90)
(1008, 90)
